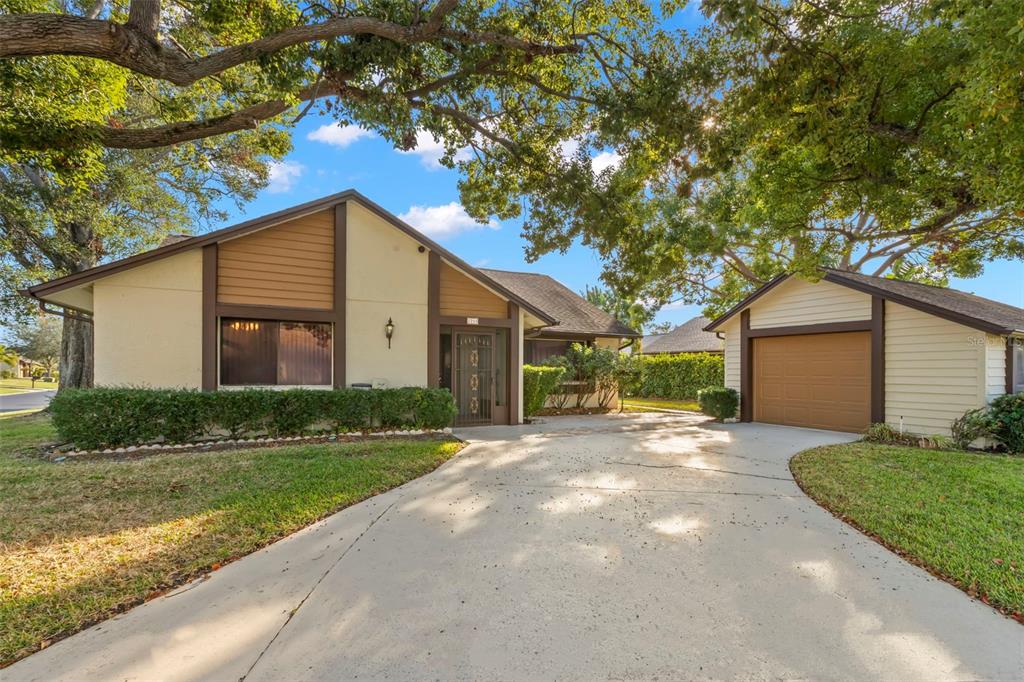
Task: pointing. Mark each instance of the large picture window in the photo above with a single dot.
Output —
(272, 353)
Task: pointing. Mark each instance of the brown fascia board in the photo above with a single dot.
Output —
(735, 310)
(836, 278)
(937, 311)
(262, 222)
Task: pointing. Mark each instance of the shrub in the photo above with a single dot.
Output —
(292, 412)
(971, 426)
(1006, 414)
(435, 409)
(718, 401)
(888, 435)
(117, 417)
(349, 409)
(538, 384)
(679, 377)
(108, 417)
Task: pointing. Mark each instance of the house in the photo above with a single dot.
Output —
(852, 349)
(23, 369)
(579, 321)
(334, 292)
(688, 337)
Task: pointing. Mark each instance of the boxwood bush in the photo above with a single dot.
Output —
(117, 417)
(718, 401)
(538, 383)
(678, 377)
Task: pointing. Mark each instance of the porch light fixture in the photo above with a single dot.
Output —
(389, 329)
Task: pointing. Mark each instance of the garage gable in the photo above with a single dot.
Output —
(799, 302)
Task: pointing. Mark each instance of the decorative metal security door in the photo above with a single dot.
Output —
(474, 378)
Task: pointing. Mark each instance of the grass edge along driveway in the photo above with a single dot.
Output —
(82, 541)
(956, 514)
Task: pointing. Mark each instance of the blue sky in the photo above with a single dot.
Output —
(414, 186)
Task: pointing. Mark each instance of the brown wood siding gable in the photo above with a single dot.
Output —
(289, 265)
(462, 297)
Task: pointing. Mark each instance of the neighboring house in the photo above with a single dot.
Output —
(23, 368)
(688, 337)
(579, 321)
(334, 292)
(851, 350)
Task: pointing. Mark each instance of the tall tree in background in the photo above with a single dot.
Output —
(64, 210)
(882, 137)
(39, 339)
(632, 312)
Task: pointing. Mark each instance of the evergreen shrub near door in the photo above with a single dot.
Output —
(679, 377)
(538, 384)
(117, 417)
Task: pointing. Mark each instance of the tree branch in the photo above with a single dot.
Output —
(32, 35)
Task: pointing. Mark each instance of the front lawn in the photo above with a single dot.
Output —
(641, 404)
(959, 514)
(21, 385)
(81, 541)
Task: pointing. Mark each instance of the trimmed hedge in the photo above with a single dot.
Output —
(719, 402)
(116, 417)
(538, 384)
(679, 377)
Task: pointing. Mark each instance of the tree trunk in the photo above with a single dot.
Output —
(76, 344)
(76, 354)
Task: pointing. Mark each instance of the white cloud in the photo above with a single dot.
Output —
(430, 150)
(605, 160)
(443, 221)
(338, 135)
(283, 175)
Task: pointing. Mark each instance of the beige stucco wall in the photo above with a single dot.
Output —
(796, 301)
(517, 348)
(935, 370)
(148, 324)
(386, 277)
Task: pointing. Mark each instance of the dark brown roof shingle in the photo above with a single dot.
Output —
(688, 337)
(574, 313)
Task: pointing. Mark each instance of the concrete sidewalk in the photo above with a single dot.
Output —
(624, 547)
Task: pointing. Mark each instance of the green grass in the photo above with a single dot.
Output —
(957, 513)
(642, 403)
(19, 385)
(81, 541)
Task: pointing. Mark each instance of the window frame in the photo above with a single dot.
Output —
(221, 319)
(1015, 364)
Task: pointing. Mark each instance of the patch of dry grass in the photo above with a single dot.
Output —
(80, 541)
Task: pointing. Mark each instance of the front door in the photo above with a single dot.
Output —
(474, 378)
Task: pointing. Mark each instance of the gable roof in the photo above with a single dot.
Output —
(575, 314)
(957, 306)
(688, 337)
(169, 248)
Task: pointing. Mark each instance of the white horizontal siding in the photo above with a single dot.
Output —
(732, 353)
(797, 302)
(935, 370)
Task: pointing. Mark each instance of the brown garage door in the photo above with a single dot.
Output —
(821, 381)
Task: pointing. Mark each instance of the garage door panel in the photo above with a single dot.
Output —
(815, 380)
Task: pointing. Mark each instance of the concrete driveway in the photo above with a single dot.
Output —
(622, 548)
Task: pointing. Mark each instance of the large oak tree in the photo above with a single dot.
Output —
(879, 136)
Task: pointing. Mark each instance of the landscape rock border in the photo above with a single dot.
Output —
(56, 455)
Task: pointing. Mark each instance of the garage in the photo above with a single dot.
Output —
(820, 381)
(847, 350)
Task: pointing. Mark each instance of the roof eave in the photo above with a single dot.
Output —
(269, 220)
(765, 288)
(931, 309)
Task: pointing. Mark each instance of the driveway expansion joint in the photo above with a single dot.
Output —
(687, 466)
(291, 614)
